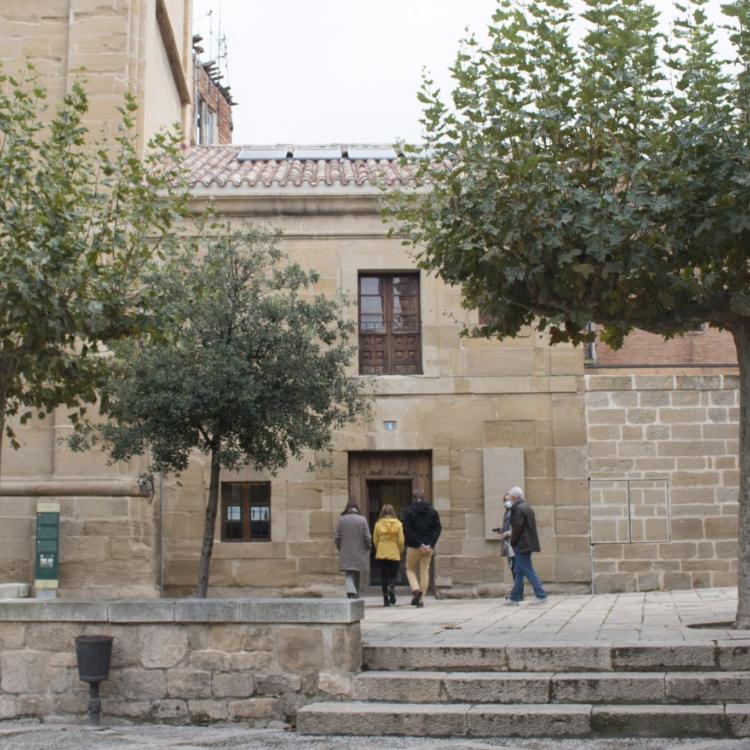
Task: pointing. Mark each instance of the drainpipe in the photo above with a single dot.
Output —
(591, 534)
(161, 535)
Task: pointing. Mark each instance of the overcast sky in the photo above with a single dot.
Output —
(338, 71)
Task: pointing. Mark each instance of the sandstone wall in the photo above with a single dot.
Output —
(109, 529)
(115, 46)
(473, 394)
(190, 661)
(108, 545)
(664, 479)
(109, 542)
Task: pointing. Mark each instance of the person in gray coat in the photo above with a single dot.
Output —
(353, 541)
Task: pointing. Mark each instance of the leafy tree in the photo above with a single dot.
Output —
(607, 180)
(79, 222)
(249, 367)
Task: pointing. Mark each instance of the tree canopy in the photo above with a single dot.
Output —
(79, 223)
(249, 366)
(603, 180)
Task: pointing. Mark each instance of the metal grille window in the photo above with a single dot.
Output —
(245, 511)
(390, 329)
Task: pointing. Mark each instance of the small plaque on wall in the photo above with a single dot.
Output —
(503, 468)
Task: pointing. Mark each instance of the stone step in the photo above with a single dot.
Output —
(548, 687)
(560, 657)
(523, 720)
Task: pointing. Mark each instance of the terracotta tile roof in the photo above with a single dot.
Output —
(218, 166)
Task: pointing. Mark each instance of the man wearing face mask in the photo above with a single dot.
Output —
(524, 540)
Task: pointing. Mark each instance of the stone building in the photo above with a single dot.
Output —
(629, 459)
(461, 418)
(108, 534)
(144, 46)
(633, 476)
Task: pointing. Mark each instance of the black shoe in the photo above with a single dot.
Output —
(386, 601)
(352, 596)
(416, 597)
(419, 604)
(391, 595)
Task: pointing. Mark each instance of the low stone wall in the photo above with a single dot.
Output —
(180, 661)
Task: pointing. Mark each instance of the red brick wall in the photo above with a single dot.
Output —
(217, 103)
(709, 347)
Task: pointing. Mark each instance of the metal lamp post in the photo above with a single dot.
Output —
(94, 653)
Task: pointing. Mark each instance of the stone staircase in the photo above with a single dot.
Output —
(545, 690)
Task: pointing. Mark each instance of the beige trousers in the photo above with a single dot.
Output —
(418, 559)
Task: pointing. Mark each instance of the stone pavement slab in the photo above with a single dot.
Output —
(658, 616)
(28, 736)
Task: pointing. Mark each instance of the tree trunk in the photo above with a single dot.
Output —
(209, 526)
(742, 341)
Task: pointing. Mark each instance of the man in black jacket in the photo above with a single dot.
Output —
(524, 540)
(421, 531)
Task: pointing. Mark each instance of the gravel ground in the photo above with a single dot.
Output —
(34, 736)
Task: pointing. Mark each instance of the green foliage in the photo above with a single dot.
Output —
(79, 223)
(249, 365)
(604, 181)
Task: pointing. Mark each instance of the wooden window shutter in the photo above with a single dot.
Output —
(390, 329)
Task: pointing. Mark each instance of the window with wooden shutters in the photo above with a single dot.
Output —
(245, 511)
(390, 330)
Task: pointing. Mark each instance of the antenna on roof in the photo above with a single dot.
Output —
(211, 34)
(218, 35)
(222, 54)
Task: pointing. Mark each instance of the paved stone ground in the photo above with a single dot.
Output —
(651, 616)
(23, 736)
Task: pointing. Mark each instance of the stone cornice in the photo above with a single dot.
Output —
(291, 202)
(74, 488)
(172, 50)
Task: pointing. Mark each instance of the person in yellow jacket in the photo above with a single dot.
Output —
(388, 540)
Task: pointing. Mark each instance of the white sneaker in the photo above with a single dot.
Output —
(511, 603)
(540, 600)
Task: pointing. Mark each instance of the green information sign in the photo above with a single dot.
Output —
(47, 558)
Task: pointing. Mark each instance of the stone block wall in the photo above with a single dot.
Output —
(180, 662)
(663, 480)
(109, 543)
(113, 46)
(474, 394)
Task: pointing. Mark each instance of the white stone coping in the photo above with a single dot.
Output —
(14, 590)
(281, 611)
